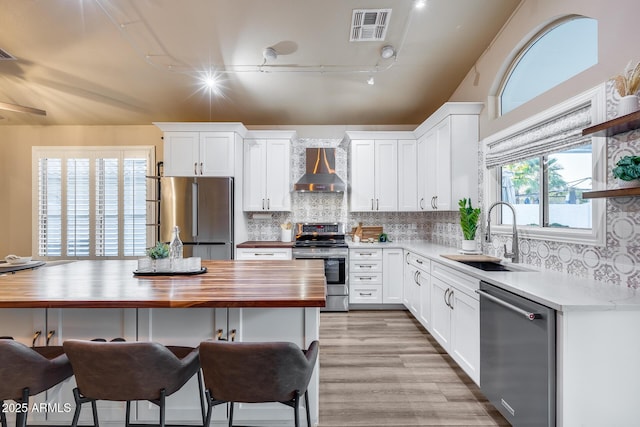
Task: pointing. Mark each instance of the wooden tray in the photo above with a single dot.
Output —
(369, 232)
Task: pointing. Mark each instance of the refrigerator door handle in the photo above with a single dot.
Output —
(194, 211)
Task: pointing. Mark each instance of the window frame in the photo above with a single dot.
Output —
(492, 182)
(93, 152)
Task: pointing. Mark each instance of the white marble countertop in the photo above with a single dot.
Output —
(559, 291)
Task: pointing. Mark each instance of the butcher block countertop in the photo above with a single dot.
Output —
(102, 284)
(257, 244)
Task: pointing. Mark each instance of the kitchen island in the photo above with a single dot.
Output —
(233, 300)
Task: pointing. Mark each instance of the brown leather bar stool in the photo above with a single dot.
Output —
(26, 371)
(126, 371)
(257, 372)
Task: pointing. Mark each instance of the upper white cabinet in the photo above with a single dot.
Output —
(267, 175)
(407, 173)
(201, 149)
(447, 153)
(374, 175)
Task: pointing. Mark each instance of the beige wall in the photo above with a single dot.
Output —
(618, 33)
(15, 168)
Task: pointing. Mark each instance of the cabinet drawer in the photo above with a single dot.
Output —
(374, 266)
(263, 254)
(361, 254)
(367, 294)
(375, 278)
(418, 261)
(458, 280)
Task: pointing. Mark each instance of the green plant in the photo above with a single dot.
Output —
(468, 219)
(627, 168)
(160, 250)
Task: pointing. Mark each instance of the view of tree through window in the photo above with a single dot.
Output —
(552, 195)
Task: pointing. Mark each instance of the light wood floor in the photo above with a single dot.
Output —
(381, 368)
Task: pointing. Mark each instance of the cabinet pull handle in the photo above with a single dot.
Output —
(421, 201)
(377, 204)
(415, 276)
(35, 337)
(365, 294)
(365, 278)
(219, 335)
(195, 168)
(406, 257)
(372, 205)
(49, 335)
(265, 254)
(262, 204)
(419, 261)
(233, 335)
(449, 300)
(445, 296)
(365, 266)
(418, 277)
(268, 204)
(200, 168)
(366, 253)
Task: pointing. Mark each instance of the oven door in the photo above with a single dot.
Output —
(336, 272)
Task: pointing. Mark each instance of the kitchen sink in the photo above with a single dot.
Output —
(495, 266)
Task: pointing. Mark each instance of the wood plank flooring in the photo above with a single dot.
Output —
(382, 368)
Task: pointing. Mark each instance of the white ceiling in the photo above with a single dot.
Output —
(100, 62)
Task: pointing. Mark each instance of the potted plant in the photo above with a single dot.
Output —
(159, 255)
(627, 86)
(627, 171)
(469, 223)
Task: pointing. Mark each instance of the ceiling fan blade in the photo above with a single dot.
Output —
(21, 109)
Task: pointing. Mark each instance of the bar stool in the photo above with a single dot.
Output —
(126, 371)
(257, 372)
(26, 371)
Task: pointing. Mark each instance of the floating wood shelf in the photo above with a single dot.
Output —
(615, 126)
(618, 192)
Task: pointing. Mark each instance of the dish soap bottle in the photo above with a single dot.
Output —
(176, 248)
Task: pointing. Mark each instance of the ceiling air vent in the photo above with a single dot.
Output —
(369, 25)
(6, 56)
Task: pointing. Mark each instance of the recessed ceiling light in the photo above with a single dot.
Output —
(371, 81)
(419, 4)
(270, 54)
(387, 52)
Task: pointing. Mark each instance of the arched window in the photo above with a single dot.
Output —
(558, 53)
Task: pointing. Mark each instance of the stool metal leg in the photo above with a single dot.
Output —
(162, 400)
(296, 409)
(127, 415)
(306, 407)
(21, 416)
(80, 400)
(200, 389)
(230, 414)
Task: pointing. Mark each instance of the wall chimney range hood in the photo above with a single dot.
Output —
(320, 175)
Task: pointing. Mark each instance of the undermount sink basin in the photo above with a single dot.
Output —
(495, 266)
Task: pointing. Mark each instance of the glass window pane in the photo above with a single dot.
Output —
(569, 174)
(521, 188)
(556, 56)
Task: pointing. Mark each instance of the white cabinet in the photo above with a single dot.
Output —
(365, 276)
(417, 285)
(455, 317)
(374, 175)
(263, 253)
(266, 175)
(392, 276)
(407, 175)
(375, 276)
(447, 152)
(199, 154)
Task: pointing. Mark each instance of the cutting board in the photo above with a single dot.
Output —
(369, 232)
(480, 258)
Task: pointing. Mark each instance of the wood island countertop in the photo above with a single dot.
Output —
(104, 284)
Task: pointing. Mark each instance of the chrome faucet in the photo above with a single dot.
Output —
(515, 252)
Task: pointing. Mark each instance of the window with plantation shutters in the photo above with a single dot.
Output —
(92, 202)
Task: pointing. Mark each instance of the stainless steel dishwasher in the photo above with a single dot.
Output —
(517, 356)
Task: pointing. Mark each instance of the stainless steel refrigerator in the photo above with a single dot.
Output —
(203, 209)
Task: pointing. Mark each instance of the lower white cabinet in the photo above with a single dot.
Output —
(375, 276)
(416, 287)
(455, 317)
(263, 254)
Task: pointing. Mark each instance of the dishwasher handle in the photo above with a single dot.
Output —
(527, 314)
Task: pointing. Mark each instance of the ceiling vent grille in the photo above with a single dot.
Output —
(6, 56)
(369, 24)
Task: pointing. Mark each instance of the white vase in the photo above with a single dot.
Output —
(628, 184)
(469, 245)
(628, 104)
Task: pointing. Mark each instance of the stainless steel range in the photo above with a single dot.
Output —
(326, 241)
